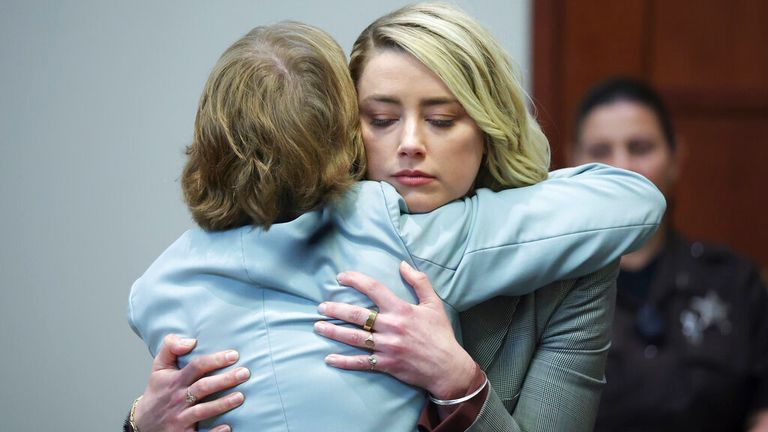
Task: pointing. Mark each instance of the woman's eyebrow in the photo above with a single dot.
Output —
(381, 98)
(438, 101)
(396, 101)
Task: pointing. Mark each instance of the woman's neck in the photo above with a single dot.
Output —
(640, 258)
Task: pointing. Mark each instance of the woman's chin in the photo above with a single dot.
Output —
(419, 203)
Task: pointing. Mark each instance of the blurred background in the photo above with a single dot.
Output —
(97, 102)
(709, 61)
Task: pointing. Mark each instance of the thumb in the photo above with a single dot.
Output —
(420, 283)
(172, 347)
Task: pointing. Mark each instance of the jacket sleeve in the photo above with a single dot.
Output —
(562, 386)
(514, 241)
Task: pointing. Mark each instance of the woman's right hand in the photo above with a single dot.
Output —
(164, 407)
(413, 343)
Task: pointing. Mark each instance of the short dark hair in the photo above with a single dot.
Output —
(629, 90)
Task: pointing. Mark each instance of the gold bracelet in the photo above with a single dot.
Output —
(132, 415)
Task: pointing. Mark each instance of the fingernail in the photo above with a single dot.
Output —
(340, 276)
(406, 265)
(321, 326)
(332, 359)
(242, 374)
(236, 398)
(226, 428)
(231, 355)
(321, 308)
(187, 342)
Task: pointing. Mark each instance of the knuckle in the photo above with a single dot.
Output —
(397, 327)
(219, 360)
(201, 387)
(359, 315)
(231, 378)
(195, 365)
(175, 422)
(331, 331)
(359, 338)
(402, 309)
(361, 362)
(176, 382)
(198, 411)
(420, 278)
(397, 349)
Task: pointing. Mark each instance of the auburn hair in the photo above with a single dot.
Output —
(276, 132)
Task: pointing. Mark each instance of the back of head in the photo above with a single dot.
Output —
(276, 132)
(479, 73)
(620, 89)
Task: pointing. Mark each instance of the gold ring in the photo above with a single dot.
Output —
(368, 326)
(369, 341)
(190, 398)
(372, 360)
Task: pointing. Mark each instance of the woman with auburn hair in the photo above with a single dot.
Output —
(431, 142)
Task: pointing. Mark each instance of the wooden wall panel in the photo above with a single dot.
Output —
(721, 194)
(710, 46)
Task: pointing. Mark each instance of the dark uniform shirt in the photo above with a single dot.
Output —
(690, 343)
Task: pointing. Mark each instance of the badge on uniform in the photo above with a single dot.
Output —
(703, 313)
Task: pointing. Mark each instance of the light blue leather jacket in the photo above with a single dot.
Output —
(258, 291)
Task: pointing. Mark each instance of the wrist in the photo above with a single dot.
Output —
(453, 403)
(460, 381)
(131, 420)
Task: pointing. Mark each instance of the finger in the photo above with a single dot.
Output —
(346, 312)
(172, 347)
(358, 362)
(206, 410)
(205, 364)
(345, 335)
(216, 383)
(420, 283)
(378, 293)
(221, 428)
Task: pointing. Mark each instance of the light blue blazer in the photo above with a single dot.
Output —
(257, 291)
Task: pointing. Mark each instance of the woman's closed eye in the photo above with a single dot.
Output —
(441, 122)
(382, 122)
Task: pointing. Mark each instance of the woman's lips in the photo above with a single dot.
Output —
(413, 178)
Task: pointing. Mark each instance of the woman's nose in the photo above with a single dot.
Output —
(412, 140)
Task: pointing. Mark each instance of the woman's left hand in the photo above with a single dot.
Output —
(413, 343)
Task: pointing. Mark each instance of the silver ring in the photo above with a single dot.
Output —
(372, 360)
(369, 341)
(190, 398)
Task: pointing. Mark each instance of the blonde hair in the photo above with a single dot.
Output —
(277, 130)
(479, 73)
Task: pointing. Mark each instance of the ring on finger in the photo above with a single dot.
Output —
(372, 360)
(368, 326)
(190, 398)
(369, 341)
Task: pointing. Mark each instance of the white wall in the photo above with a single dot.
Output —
(97, 101)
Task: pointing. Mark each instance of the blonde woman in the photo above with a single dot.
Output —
(258, 290)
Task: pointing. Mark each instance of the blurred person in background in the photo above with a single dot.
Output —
(690, 336)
